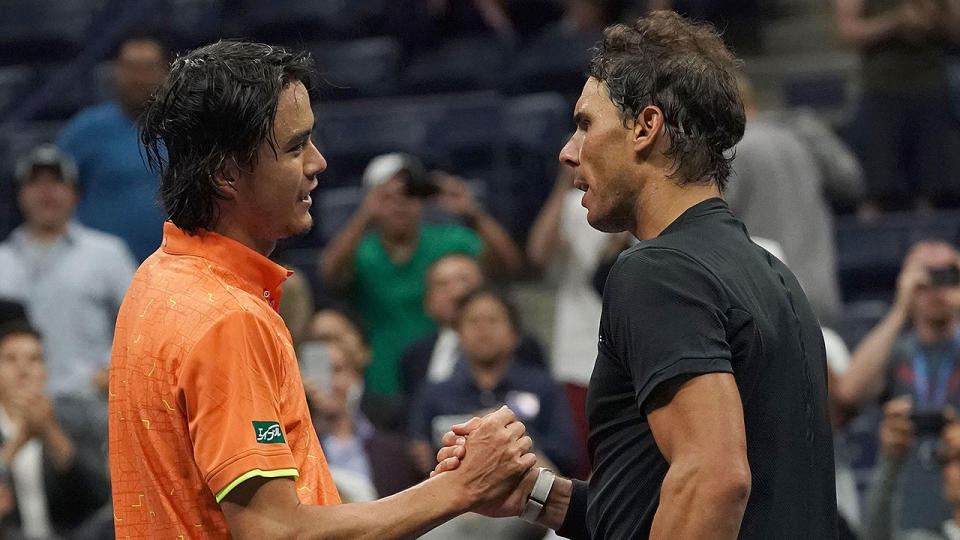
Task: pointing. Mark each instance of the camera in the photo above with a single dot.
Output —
(928, 422)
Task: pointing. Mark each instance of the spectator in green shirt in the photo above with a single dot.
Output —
(382, 254)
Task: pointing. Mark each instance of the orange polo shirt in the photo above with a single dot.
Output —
(204, 390)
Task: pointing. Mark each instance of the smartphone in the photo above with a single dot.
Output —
(315, 364)
(944, 276)
(928, 422)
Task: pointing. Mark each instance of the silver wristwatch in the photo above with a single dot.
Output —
(538, 497)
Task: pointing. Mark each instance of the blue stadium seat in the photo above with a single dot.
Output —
(357, 68)
(456, 131)
(193, 22)
(858, 318)
(445, 70)
(292, 22)
(870, 255)
(555, 61)
(40, 30)
(820, 90)
(536, 127)
(74, 96)
(15, 81)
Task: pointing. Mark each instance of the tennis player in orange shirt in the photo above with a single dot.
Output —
(210, 435)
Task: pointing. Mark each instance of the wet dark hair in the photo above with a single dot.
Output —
(684, 69)
(486, 291)
(215, 108)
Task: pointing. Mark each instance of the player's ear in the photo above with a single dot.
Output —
(225, 178)
(648, 128)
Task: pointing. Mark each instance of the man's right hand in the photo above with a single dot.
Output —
(454, 450)
(495, 459)
(896, 428)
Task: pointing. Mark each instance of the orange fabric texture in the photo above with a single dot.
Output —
(202, 366)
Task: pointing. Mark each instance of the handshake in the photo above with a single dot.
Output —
(489, 460)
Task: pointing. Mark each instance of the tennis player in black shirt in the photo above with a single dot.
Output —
(708, 402)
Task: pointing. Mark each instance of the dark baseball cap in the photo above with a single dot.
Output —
(46, 156)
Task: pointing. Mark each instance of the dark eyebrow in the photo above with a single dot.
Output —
(299, 138)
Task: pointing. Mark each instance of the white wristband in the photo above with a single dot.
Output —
(538, 497)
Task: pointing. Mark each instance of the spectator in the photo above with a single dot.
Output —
(784, 169)
(296, 306)
(898, 433)
(336, 326)
(913, 352)
(118, 194)
(902, 129)
(53, 481)
(488, 328)
(383, 253)
(365, 462)
(435, 357)
(562, 236)
(71, 279)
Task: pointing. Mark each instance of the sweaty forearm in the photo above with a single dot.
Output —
(274, 512)
(407, 514)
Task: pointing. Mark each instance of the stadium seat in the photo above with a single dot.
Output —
(870, 254)
(358, 68)
(444, 70)
(293, 22)
(74, 96)
(820, 90)
(535, 127)
(192, 22)
(858, 318)
(44, 30)
(457, 132)
(555, 61)
(15, 81)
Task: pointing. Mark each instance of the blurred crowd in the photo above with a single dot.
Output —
(411, 316)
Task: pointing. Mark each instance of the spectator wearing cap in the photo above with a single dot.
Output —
(382, 255)
(71, 279)
(119, 190)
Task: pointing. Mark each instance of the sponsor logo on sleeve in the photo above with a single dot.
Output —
(268, 432)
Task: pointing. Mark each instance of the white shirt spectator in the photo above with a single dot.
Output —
(577, 320)
(72, 290)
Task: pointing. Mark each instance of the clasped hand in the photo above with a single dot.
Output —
(467, 442)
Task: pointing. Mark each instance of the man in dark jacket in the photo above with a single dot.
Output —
(54, 480)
